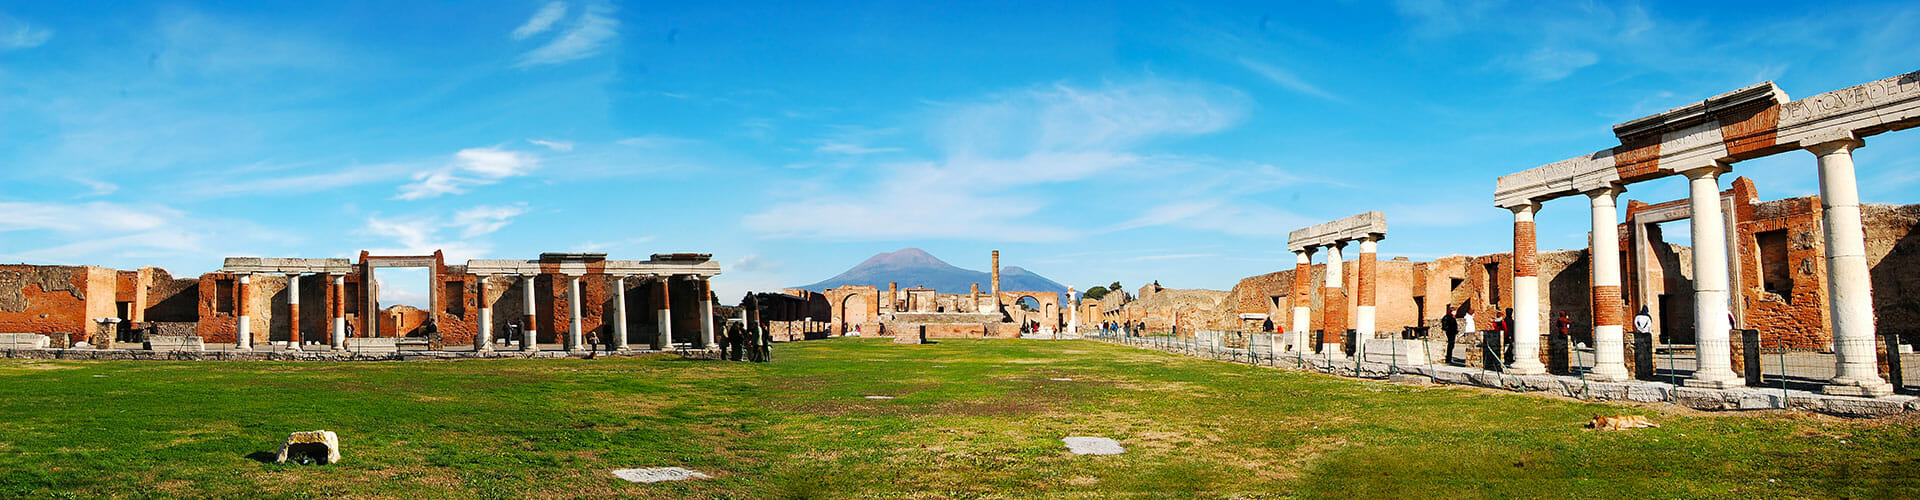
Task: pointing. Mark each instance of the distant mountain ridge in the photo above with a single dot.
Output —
(915, 267)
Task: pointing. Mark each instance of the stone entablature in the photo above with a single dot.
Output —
(286, 266)
(1360, 226)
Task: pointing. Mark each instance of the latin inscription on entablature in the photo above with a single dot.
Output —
(1555, 179)
(1853, 111)
(1692, 147)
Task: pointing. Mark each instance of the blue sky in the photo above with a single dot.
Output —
(1088, 142)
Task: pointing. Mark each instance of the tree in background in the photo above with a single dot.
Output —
(1094, 293)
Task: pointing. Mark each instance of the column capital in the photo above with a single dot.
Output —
(1838, 145)
(1610, 190)
(1713, 169)
(1529, 208)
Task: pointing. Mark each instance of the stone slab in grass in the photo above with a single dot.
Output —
(1085, 445)
(879, 397)
(658, 474)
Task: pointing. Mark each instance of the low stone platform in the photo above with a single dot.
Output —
(328, 355)
(1739, 398)
(24, 341)
(174, 343)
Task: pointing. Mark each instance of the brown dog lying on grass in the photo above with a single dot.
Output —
(1620, 422)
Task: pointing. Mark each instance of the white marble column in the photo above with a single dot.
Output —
(706, 314)
(573, 314)
(1334, 280)
(1526, 294)
(1073, 314)
(483, 340)
(1711, 335)
(243, 336)
(1609, 342)
(339, 337)
(620, 313)
(1302, 299)
(530, 334)
(1849, 287)
(663, 339)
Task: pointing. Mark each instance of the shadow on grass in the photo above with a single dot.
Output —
(265, 457)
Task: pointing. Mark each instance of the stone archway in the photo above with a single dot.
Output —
(854, 311)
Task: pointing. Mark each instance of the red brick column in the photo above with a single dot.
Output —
(293, 309)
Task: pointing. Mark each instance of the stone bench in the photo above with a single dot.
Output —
(173, 343)
(375, 345)
(24, 341)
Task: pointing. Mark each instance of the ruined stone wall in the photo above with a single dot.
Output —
(1193, 309)
(458, 306)
(1565, 286)
(402, 321)
(269, 308)
(1893, 255)
(100, 292)
(1782, 283)
(43, 299)
(172, 300)
(217, 305)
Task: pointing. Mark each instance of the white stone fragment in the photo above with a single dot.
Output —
(879, 397)
(1084, 445)
(321, 437)
(658, 474)
(1061, 379)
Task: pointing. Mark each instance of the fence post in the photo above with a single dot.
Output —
(1750, 342)
(1893, 362)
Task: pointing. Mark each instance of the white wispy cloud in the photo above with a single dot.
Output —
(1284, 78)
(105, 233)
(561, 146)
(992, 147)
(583, 39)
(1548, 64)
(485, 219)
(852, 149)
(470, 168)
(541, 20)
(17, 34)
(100, 188)
(461, 237)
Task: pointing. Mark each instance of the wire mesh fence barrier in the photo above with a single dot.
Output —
(1758, 359)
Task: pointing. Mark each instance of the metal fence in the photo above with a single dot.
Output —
(1756, 358)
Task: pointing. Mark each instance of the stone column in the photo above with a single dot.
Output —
(573, 314)
(339, 340)
(530, 335)
(293, 310)
(663, 339)
(483, 339)
(1526, 295)
(1609, 348)
(620, 313)
(706, 314)
(1849, 288)
(243, 336)
(1073, 314)
(1363, 312)
(1302, 298)
(1333, 300)
(1711, 335)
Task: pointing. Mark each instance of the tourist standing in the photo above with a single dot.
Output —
(1643, 322)
(1450, 327)
(1506, 332)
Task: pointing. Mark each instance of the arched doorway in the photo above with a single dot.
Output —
(853, 311)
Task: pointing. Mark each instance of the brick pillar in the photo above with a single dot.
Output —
(243, 336)
(483, 339)
(663, 339)
(293, 310)
(530, 334)
(339, 293)
(1333, 299)
(1363, 312)
(1526, 294)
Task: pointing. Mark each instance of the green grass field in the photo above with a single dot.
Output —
(971, 419)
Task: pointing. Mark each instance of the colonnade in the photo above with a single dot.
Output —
(483, 339)
(1367, 229)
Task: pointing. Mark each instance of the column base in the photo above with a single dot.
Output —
(1869, 390)
(1608, 374)
(1528, 367)
(1727, 381)
(1333, 351)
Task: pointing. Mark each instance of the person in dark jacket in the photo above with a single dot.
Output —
(1451, 328)
(1506, 333)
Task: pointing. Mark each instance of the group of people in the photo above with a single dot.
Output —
(1128, 328)
(1460, 319)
